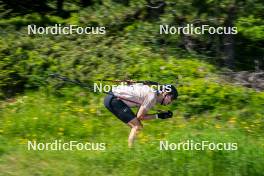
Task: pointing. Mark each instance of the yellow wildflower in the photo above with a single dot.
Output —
(218, 126)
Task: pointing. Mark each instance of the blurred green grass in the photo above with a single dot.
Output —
(208, 109)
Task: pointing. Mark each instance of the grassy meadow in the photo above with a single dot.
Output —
(235, 115)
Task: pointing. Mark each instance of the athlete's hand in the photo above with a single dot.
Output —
(165, 115)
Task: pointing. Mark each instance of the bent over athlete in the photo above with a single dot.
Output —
(123, 97)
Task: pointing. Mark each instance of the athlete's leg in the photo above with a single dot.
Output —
(125, 114)
(136, 126)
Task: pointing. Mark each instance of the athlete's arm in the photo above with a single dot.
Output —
(147, 104)
(142, 114)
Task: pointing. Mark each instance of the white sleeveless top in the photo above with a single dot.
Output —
(142, 94)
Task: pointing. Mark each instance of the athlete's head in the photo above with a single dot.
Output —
(169, 94)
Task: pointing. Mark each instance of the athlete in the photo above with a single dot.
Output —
(123, 97)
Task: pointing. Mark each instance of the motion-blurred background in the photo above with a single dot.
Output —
(219, 78)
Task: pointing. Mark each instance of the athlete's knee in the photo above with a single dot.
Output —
(138, 128)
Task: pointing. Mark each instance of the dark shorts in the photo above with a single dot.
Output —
(119, 108)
